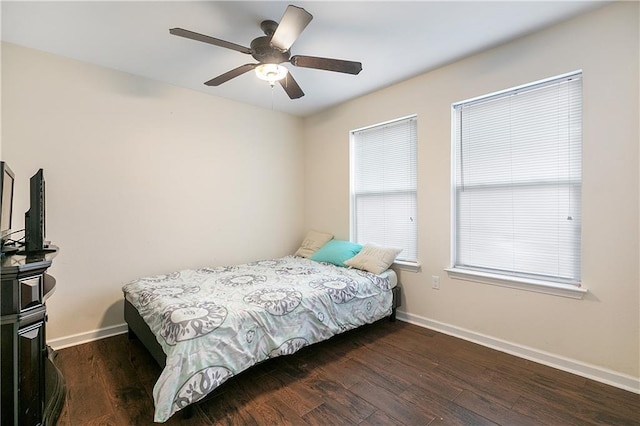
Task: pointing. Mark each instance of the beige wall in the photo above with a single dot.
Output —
(601, 330)
(143, 178)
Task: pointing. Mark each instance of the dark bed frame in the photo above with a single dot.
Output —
(138, 329)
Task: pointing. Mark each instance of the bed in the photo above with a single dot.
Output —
(206, 325)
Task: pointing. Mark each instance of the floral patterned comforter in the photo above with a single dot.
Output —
(213, 323)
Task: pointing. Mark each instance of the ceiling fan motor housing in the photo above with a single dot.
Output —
(265, 53)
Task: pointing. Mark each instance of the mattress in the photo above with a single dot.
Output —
(213, 323)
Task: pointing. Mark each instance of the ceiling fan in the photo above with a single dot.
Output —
(272, 49)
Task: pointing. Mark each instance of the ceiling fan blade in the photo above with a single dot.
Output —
(207, 39)
(222, 78)
(337, 65)
(290, 85)
(293, 22)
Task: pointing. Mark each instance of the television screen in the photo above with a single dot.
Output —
(34, 219)
(6, 186)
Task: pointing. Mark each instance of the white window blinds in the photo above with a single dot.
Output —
(518, 180)
(384, 186)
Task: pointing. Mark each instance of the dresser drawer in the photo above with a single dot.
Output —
(30, 292)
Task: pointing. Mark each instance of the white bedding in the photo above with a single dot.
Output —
(393, 277)
(213, 323)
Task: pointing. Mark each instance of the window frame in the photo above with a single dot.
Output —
(554, 287)
(413, 264)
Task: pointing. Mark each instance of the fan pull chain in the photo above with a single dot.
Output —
(271, 83)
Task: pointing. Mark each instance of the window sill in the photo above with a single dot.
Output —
(407, 266)
(556, 289)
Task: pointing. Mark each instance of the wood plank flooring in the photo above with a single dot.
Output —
(382, 374)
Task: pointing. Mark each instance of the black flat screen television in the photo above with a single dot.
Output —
(34, 219)
(6, 186)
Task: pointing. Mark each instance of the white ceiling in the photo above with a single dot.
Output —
(394, 40)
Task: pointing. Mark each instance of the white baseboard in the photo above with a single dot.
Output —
(593, 372)
(89, 336)
(610, 377)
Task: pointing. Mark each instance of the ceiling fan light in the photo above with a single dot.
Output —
(271, 72)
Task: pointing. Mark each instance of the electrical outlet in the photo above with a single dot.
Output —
(435, 282)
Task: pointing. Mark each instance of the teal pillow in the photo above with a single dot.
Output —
(336, 252)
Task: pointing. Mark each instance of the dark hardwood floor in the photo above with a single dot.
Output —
(382, 374)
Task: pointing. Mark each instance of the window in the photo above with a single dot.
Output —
(384, 186)
(518, 181)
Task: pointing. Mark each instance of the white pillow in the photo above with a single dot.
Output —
(373, 258)
(312, 242)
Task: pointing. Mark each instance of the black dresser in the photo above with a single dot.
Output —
(32, 390)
